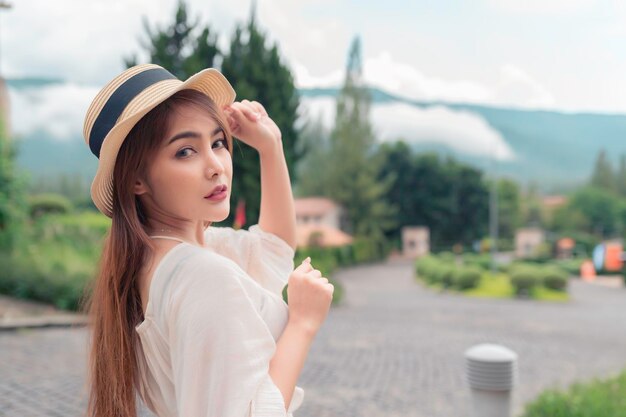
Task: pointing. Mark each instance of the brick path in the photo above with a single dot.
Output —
(392, 349)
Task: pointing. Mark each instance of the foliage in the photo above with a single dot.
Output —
(12, 198)
(554, 278)
(256, 72)
(541, 282)
(183, 48)
(597, 398)
(448, 197)
(57, 260)
(40, 204)
(467, 278)
(603, 176)
(509, 208)
(350, 171)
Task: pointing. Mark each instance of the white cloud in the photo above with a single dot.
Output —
(304, 79)
(56, 109)
(542, 6)
(512, 87)
(405, 80)
(463, 131)
(516, 88)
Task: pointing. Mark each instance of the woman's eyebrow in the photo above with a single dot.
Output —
(192, 135)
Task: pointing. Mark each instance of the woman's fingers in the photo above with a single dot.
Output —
(245, 109)
(258, 107)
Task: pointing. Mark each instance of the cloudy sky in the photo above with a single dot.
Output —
(568, 55)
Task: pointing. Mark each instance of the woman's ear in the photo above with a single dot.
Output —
(141, 187)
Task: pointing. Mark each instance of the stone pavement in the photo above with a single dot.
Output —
(391, 349)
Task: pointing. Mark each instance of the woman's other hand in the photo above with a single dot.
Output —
(310, 295)
(250, 123)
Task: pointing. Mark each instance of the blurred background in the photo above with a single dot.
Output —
(456, 161)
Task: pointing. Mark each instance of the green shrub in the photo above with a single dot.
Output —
(447, 276)
(554, 278)
(468, 278)
(481, 261)
(571, 266)
(598, 398)
(524, 279)
(425, 266)
(40, 204)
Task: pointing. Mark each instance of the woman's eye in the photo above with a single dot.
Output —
(184, 152)
(224, 142)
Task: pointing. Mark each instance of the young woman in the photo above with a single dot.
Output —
(191, 316)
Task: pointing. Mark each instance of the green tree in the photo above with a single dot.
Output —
(592, 210)
(183, 48)
(353, 169)
(448, 197)
(12, 199)
(312, 169)
(509, 208)
(603, 176)
(257, 73)
(532, 214)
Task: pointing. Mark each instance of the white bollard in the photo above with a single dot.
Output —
(491, 372)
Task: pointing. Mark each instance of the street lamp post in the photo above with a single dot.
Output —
(493, 210)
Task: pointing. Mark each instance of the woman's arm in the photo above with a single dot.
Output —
(250, 123)
(277, 213)
(291, 351)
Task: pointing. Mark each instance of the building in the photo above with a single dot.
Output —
(528, 242)
(415, 242)
(321, 222)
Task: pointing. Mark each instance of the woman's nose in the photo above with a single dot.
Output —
(213, 165)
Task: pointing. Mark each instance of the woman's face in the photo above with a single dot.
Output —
(192, 160)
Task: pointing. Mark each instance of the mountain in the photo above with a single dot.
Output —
(554, 149)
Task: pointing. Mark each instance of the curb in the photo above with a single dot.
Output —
(61, 320)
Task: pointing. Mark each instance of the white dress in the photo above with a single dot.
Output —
(211, 325)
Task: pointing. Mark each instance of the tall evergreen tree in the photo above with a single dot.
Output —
(257, 73)
(312, 167)
(509, 208)
(602, 176)
(353, 169)
(180, 48)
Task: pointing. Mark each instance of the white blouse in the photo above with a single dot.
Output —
(211, 325)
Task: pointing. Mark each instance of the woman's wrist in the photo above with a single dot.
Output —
(271, 149)
(301, 327)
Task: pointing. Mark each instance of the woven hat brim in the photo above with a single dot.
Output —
(209, 81)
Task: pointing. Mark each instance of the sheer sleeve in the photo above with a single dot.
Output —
(264, 256)
(219, 345)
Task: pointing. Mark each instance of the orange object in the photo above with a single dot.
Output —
(613, 258)
(587, 271)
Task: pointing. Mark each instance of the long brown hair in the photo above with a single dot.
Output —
(114, 305)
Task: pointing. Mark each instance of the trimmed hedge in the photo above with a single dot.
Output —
(441, 270)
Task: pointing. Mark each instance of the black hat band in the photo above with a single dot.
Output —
(118, 101)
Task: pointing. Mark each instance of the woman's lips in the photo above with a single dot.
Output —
(217, 196)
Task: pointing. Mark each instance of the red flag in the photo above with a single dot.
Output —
(240, 215)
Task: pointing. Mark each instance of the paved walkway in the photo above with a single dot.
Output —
(392, 349)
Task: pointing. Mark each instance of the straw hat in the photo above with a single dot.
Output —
(123, 102)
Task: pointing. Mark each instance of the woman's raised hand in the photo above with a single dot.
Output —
(249, 122)
(309, 296)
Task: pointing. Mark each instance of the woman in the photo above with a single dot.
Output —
(191, 316)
